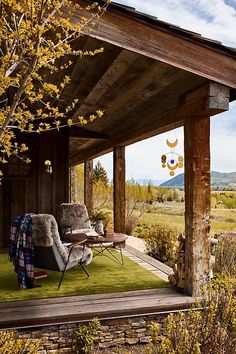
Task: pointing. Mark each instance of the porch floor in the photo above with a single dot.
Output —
(38, 312)
(41, 312)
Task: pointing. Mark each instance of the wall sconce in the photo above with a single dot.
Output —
(1, 176)
(48, 166)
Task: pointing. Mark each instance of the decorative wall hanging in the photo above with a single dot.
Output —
(172, 160)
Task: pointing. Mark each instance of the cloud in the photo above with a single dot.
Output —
(213, 19)
(223, 141)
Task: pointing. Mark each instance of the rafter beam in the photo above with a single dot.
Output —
(113, 73)
(82, 133)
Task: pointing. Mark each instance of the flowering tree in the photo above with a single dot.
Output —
(34, 38)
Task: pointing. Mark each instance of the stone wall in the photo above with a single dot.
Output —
(60, 338)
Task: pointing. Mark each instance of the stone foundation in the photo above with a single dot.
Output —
(59, 339)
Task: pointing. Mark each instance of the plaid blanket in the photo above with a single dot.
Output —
(21, 250)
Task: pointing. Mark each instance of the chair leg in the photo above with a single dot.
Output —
(63, 272)
(62, 275)
(84, 269)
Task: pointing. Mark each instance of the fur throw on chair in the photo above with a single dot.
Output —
(43, 227)
(45, 233)
(74, 215)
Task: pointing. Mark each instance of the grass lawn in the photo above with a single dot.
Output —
(105, 277)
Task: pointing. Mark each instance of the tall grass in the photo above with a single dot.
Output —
(211, 330)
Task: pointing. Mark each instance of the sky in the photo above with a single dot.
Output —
(212, 19)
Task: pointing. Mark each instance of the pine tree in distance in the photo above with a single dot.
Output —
(100, 174)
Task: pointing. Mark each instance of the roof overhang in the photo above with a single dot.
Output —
(150, 78)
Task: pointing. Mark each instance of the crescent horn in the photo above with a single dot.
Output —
(172, 145)
(172, 168)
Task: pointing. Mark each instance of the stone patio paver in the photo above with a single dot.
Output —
(135, 250)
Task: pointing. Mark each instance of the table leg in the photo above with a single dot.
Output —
(110, 254)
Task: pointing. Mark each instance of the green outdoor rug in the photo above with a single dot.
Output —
(105, 277)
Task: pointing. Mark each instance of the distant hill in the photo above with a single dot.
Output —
(154, 182)
(177, 181)
(217, 179)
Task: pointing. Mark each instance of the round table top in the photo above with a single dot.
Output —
(115, 238)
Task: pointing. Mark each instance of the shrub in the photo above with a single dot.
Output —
(11, 343)
(131, 223)
(225, 200)
(210, 331)
(226, 254)
(141, 229)
(161, 241)
(85, 336)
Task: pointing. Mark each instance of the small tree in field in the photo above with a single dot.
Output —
(100, 174)
(38, 40)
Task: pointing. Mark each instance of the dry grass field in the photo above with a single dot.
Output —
(172, 213)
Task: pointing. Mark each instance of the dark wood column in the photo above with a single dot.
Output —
(119, 188)
(88, 185)
(73, 184)
(197, 203)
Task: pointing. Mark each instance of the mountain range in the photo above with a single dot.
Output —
(217, 179)
(154, 182)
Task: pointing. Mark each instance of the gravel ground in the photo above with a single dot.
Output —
(134, 349)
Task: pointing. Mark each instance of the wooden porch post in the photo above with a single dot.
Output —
(88, 185)
(197, 203)
(72, 184)
(119, 188)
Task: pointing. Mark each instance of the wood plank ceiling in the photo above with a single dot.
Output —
(146, 80)
(133, 90)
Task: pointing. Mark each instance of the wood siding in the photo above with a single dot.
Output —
(41, 193)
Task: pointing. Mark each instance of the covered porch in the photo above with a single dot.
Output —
(151, 78)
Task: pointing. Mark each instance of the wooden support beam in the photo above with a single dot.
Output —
(82, 133)
(119, 188)
(197, 203)
(73, 184)
(88, 185)
(161, 116)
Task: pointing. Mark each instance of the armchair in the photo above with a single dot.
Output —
(50, 253)
(74, 219)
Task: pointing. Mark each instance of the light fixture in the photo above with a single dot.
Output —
(1, 176)
(48, 166)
